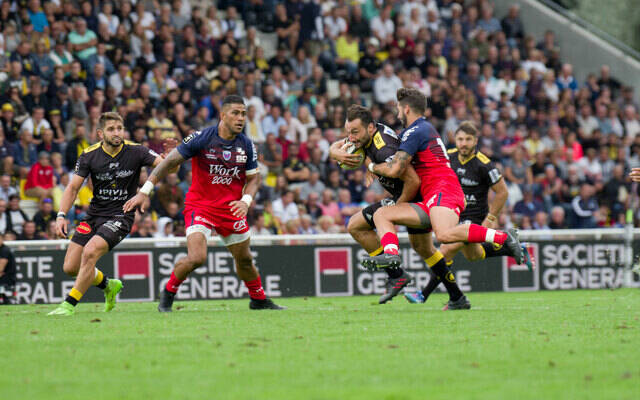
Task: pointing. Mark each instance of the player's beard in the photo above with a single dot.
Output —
(403, 119)
(114, 141)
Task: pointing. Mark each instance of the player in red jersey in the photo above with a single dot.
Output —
(443, 198)
(225, 179)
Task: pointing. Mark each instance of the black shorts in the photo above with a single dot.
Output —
(368, 212)
(471, 219)
(111, 229)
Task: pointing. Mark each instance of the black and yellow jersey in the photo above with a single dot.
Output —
(381, 148)
(476, 176)
(114, 176)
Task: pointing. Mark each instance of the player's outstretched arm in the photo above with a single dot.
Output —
(411, 185)
(635, 174)
(240, 208)
(68, 197)
(170, 163)
(393, 168)
(499, 200)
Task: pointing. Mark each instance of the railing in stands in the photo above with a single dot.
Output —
(268, 240)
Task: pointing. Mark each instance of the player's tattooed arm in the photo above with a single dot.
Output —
(395, 167)
(411, 185)
(170, 164)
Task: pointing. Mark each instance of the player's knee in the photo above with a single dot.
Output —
(444, 236)
(197, 260)
(70, 269)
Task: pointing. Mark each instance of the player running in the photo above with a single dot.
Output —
(225, 179)
(443, 199)
(114, 165)
(380, 143)
(477, 175)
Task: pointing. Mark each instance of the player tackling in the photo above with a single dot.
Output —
(225, 179)
(114, 165)
(443, 198)
(477, 175)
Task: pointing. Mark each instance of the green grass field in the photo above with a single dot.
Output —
(564, 345)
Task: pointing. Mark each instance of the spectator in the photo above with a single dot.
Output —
(36, 124)
(145, 229)
(83, 41)
(312, 185)
(168, 192)
(540, 221)
(346, 206)
(295, 170)
(284, 209)
(3, 217)
(47, 144)
(270, 154)
(566, 79)
(258, 228)
(41, 180)
(386, 86)
(75, 147)
(584, 207)
(6, 189)
(44, 215)
(528, 206)
(557, 218)
(25, 152)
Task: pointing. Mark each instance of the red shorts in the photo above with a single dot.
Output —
(444, 194)
(223, 222)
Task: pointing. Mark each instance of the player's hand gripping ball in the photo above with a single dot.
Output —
(351, 149)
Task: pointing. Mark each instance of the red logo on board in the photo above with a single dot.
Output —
(83, 228)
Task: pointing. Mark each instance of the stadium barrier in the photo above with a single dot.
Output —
(329, 265)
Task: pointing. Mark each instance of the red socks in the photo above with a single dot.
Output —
(173, 283)
(256, 291)
(390, 243)
(480, 234)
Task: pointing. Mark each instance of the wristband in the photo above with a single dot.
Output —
(491, 217)
(247, 199)
(370, 167)
(61, 215)
(146, 188)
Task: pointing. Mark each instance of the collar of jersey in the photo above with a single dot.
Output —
(109, 154)
(470, 158)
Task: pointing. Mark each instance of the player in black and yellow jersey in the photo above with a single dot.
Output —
(477, 175)
(114, 166)
(380, 143)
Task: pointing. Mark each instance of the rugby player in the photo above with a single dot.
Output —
(380, 143)
(114, 165)
(443, 198)
(477, 175)
(225, 179)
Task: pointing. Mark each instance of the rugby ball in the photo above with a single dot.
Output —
(351, 149)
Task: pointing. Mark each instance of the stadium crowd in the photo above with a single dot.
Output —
(564, 146)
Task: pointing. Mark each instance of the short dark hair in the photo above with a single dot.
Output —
(356, 111)
(468, 127)
(109, 116)
(232, 99)
(413, 98)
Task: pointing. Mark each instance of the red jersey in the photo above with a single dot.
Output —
(430, 158)
(39, 176)
(219, 168)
